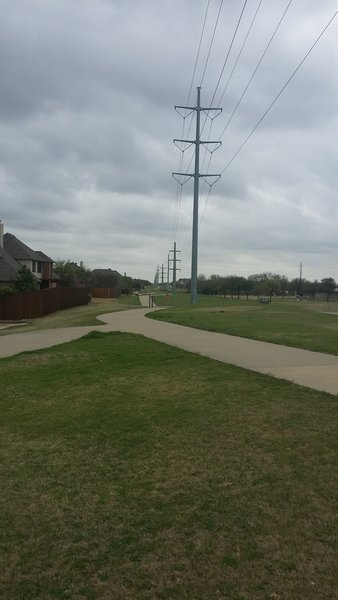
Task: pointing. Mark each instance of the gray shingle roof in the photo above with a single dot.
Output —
(18, 249)
(43, 257)
(8, 267)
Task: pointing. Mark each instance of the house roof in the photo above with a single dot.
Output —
(8, 266)
(18, 249)
(106, 272)
(43, 257)
(21, 251)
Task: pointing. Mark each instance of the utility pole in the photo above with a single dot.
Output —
(300, 277)
(174, 268)
(196, 175)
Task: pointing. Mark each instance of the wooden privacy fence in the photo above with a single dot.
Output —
(31, 305)
(105, 292)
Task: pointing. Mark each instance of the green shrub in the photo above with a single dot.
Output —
(25, 281)
(4, 292)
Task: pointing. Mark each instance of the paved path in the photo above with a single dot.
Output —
(311, 369)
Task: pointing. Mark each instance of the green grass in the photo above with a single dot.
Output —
(133, 470)
(77, 316)
(303, 325)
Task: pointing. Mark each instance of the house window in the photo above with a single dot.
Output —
(33, 266)
(39, 267)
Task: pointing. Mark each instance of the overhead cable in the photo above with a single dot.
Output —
(180, 165)
(228, 80)
(198, 51)
(257, 67)
(240, 53)
(222, 71)
(211, 42)
(280, 92)
(226, 60)
(229, 50)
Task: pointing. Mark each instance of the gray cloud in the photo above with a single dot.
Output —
(87, 122)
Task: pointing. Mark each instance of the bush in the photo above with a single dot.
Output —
(4, 292)
(25, 281)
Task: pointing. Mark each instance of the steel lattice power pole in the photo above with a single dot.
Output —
(196, 175)
(174, 268)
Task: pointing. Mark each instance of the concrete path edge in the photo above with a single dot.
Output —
(310, 369)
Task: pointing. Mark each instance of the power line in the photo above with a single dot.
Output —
(240, 52)
(198, 51)
(207, 60)
(206, 200)
(222, 71)
(180, 163)
(211, 42)
(280, 92)
(218, 82)
(226, 86)
(257, 67)
(253, 74)
(179, 186)
(229, 50)
(270, 106)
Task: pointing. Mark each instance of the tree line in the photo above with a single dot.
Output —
(70, 274)
(265, 284)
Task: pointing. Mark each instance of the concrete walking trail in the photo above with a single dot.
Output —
(311, 369)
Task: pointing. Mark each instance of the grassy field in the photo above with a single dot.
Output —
(133, 470)
(299, 324)
(77, 316)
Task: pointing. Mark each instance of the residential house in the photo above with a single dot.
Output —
(183, 283)
(14, 254)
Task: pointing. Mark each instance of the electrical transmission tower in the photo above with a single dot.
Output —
(174, 268)
(157, 275)
(300, 277)
(162, 274)
(196, 175)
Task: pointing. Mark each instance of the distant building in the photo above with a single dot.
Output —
(183, 283)
(14, 255)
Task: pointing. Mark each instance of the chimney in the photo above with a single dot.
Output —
(1, 235)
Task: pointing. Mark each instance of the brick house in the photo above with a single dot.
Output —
(14, 254)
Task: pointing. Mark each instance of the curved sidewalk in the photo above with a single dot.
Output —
(311, 369)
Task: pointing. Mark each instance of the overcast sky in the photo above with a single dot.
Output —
(87, 122)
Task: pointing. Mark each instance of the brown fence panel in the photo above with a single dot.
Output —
(32, 305)
(105, 292)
